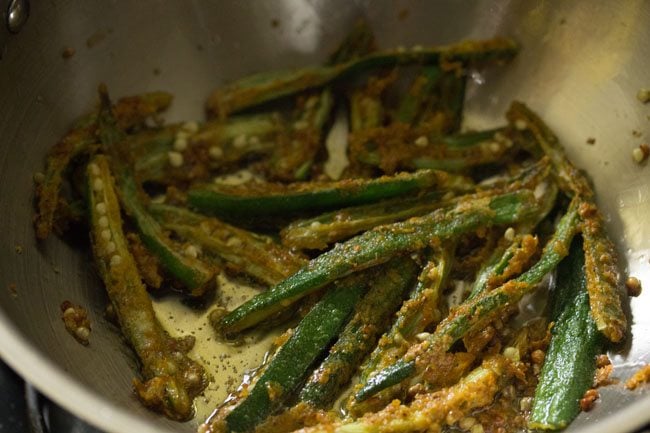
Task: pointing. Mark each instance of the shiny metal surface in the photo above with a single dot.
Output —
(581, 66)
(17, 14)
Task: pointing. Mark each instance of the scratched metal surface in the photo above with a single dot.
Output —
(581, 66)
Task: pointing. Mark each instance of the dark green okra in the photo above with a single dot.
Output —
(193, 273)
(420, 310)
(290, 365)
(477, 311)
(257, 89)
(570, 361)
(371, 317)
(379, 245)
(253, 254)
(323, 230)
(255, 199)
(419, 93)
(130, 111)
(171, 379)
(600, 253)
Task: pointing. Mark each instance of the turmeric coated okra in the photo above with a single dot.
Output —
(395, 282)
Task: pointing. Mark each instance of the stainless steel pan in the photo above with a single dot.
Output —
(581, 66)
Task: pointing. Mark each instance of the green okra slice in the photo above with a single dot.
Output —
(171, 378)
(253, 254)
(264, 87)
(323, 230)
(255, 199)
(503, 262)
(79, 139)
(418, 94)
(296, 150)
(379, 245)
(129, 112)
(214, 147)
(359, 42)
(477, 311)
(570, 360)
(371, 317)
(430, 412)
(600, 252)
(401, 147)
(193, 273)
(420, 310)
(290, 366)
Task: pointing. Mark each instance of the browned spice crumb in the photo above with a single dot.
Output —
(68, 52)
(18, 249)
(641, 377)
(633, 286)
(591, 140)
(588, 400)
(12, 290)
(643, 95)
(602, 360)
(602, 377)
(76, 321)
(275, 23)
(537, 356)
(156, 71)
(403, 14)
(636, 133)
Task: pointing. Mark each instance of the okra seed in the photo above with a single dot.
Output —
(422, 336)
(315, 225)
(643, 95)
(525, 404)
(233, 241)
(494, 147)
(175, 159)
(116, 260)
(180, 143)
(509, 234)
(422, 141)
(110, 247)
(101, 208)
(300, 124)
(540, 190)
(215, 152)
(69, 312)
(633, 286)
(39, 177)
(240, 141)
(190, 127)
(466, 423)
(98, 185)
(94, 169)
(512, 353)
(477, 428)
(82, 332)
(521, 124)
(641, 153)
(106, 235)
(191, 251)
(103, 222)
